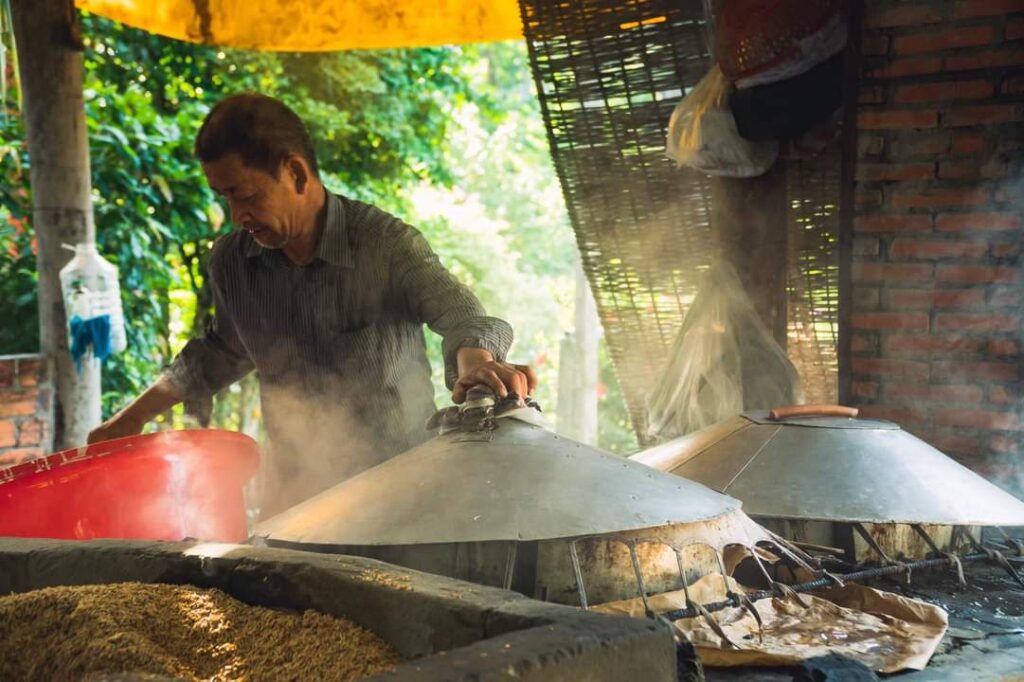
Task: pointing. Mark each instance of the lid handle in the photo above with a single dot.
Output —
(480, 395)
(781, 413)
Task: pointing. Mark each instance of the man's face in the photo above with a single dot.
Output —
(265, 206)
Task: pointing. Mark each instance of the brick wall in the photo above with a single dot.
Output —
(26, 408)
(935, 329)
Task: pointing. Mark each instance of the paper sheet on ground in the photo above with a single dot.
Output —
(884, 631)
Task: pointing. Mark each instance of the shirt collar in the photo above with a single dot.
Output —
(332, 246)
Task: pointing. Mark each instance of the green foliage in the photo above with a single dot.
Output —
(19, 332)
(379, 118)
(448, 138)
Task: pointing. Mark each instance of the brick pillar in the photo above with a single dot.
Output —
(26, 408)
(935, 328)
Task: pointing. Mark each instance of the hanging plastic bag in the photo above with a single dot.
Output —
(92, 301)
(723, 361)
(702, 134)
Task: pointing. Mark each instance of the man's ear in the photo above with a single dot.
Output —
(297, 169)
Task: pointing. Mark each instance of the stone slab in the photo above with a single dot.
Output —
(451, 630)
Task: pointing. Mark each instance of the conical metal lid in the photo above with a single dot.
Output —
(506, 480)
(834, 469)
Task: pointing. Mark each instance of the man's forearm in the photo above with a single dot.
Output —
(157, 399)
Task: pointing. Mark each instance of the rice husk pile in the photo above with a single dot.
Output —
(73, 633)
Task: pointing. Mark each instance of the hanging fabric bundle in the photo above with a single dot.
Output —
(785, 58)
(758, 42)
(788, 109)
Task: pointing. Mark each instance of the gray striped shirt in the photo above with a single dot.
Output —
(338, 344)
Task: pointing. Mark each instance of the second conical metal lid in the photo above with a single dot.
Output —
(834, 469)
(508, 480)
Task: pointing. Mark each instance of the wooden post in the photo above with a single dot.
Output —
(578, 370)
(50, 67)
(748, 226)
(847, 197)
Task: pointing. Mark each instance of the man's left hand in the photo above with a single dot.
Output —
(478, 366)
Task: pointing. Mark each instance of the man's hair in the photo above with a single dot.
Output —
(260, 129)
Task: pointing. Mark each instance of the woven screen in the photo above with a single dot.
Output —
(812, 276)
(608, 75)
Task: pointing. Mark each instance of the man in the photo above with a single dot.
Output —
(325, 298)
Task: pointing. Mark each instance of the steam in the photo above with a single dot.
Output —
(325, 429)
(1011, 473)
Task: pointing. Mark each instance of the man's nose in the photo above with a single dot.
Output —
(239, 216)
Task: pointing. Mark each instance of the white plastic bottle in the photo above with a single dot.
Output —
(90, 287)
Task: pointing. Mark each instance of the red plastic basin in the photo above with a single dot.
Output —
(162, 486)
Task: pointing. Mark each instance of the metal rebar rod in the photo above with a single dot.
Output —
(510, 564)
(639, 576)
(580, 589)
(821, 583)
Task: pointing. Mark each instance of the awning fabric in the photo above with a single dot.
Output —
(318, 25)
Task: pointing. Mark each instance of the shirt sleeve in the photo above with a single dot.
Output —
(210, 363)
(443, 303)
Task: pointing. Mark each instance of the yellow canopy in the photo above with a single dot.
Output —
(318, 25)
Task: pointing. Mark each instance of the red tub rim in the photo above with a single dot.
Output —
(125, 446)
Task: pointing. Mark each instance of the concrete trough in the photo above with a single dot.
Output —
(446, 628)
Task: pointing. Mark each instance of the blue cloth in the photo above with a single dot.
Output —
(94, 332)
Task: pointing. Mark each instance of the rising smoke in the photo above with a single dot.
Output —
(322, 431)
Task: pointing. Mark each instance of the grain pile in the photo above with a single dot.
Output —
(73, 633)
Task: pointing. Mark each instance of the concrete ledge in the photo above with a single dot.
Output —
(452, 630)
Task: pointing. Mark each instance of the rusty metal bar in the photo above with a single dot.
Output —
(510, 564)
(957, 564)
(923, 534)
(682, 576)
(864, 533)
(639, 575)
